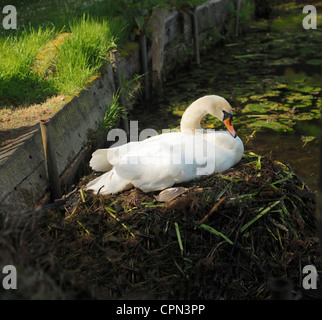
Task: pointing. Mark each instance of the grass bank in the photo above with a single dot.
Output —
(94, 28)
(58, 48)
(33, 68)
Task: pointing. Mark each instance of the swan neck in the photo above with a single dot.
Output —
(191, 119)
(197, 111)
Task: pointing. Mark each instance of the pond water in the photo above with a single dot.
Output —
(303, 158)
(272, 76)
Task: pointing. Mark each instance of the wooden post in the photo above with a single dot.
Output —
(118, 82)
(158, 33)
(144, 64)
(319, 193)
(237, 17)
(196, 36)
(50, 159)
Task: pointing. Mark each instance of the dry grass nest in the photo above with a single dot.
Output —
(222, 238)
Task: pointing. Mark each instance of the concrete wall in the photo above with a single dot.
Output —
(23, 176)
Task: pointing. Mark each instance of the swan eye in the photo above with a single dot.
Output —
(227, 115)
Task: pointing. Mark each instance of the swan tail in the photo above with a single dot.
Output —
(109, 183)
(99, 161)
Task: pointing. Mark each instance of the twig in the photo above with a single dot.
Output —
(118, 220)
(82, 194)
(179, 237)
(212, 210)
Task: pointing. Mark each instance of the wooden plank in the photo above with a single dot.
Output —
(158, 35)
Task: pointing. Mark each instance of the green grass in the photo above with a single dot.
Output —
(19, 83)
(96, 27)
(78, 58)
(81, 55)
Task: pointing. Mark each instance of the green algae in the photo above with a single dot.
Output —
(271, 76)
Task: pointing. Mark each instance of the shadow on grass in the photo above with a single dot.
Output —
(16, 90)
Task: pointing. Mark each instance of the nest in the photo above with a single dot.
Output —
(222, 236)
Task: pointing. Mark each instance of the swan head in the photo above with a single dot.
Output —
(228, 121)
(215, 105)
(220, 108)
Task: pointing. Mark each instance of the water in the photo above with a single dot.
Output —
(290, 149)
(272, 77)
(293, 149)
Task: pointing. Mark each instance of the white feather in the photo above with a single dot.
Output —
(161, 161)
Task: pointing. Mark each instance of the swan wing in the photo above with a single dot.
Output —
(159, 163)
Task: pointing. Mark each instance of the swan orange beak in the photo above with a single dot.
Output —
(229, 124)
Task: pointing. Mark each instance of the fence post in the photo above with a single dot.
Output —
(237, 17)
(53, 176)
(196, 36)
(118, 85)
(144, 63)
(158, 31)
(319, 193)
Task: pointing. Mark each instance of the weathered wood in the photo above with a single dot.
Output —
(23, 176)
(118, 85)
(144, 66)
(319, 195)
(237, 16)
(75, 168)
(196, 37)
(50, 159)
(158, 33)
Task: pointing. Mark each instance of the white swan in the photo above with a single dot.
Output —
(161, 161)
